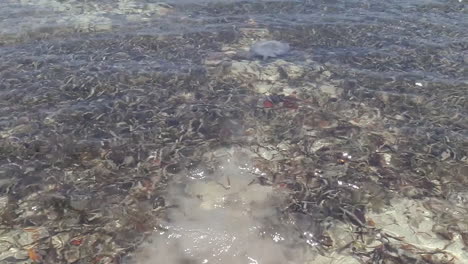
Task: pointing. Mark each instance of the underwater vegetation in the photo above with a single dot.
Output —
(351, 133)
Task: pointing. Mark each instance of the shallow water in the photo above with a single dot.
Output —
(221, 219)
(104, 105)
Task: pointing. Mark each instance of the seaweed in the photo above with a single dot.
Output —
(363, 113)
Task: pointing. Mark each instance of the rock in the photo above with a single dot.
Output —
(15, 253)
(267, 72)
(268, 154)
(80, 202)
(321, 143)
(31, 235)
(3, 203)
(72, 254)
(341, 235)
(290, 70)
(244, 69)
(331, 90)
(262, 87)
(60, 240)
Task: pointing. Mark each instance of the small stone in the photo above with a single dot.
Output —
(445, 155)
(327, 74)
(399, 117)
(387, 157)
(129, 160)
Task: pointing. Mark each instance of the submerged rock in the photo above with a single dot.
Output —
(269, 48)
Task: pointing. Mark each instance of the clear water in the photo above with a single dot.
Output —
(96, 96)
